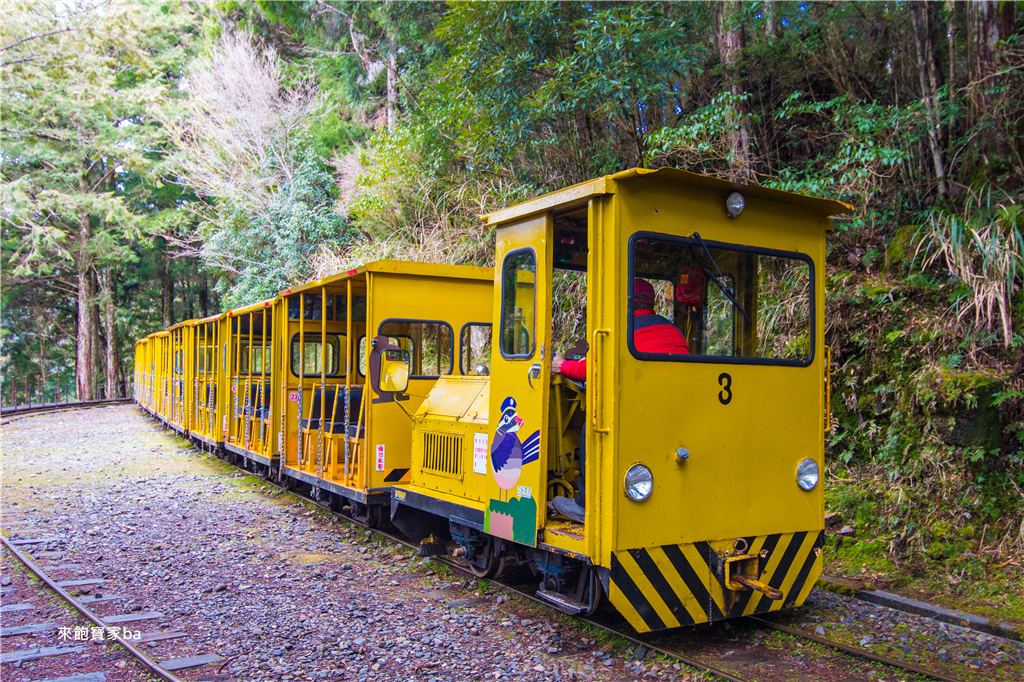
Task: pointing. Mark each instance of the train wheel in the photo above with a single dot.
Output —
(593, 593)
(488, 562)
(375, 515)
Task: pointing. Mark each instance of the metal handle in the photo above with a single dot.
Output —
(598, 333)
(828, 389)
(533, 373)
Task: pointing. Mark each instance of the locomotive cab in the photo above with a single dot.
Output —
(700, 414)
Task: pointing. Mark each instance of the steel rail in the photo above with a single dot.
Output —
(11, 413)
(682, 658)
(624, 635)
(463, 570)
(863, 653)
(151, 665)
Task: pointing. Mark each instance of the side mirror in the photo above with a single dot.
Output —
(388, 370)
(394, 370)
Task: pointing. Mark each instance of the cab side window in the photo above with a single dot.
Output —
(518, 303)
(475, 348)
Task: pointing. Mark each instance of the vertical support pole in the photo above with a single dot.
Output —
(323, 386)
(264, 375)
(236, 363)
(348, 370)
(302, 371)
(246, 417)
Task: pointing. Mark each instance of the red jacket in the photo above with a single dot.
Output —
(655, 334)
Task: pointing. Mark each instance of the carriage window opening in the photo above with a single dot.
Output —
(431, 345)
(518, 303)
(358, 308)
(312, 307)
(312, 354)
(252, 361)
(475, 348)
(206, 362)
(730, 301)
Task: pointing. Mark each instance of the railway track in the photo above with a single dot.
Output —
(652, 644)
(9, 414)
(152, 666)
(862, 653)
(648, 642)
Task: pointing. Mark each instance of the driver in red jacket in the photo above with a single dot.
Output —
(652, 333)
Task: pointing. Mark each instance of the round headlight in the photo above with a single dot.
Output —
(639, 482)
(734, 204)
(807, 474)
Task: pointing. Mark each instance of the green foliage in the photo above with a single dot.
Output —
(263, 253)
(868, 142)
(79, 171)
(982, 245)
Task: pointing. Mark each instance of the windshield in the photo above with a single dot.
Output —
(732, 303)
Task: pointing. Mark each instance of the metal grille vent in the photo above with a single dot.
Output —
(442, 454)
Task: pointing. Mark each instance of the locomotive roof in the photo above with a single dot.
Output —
(399, 267)
(579, 194)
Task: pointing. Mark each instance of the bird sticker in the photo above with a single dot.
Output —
(508, 452)
(513, 519)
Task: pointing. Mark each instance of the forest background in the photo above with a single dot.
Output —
(164, 161)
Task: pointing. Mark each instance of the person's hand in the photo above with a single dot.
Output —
(556, 364)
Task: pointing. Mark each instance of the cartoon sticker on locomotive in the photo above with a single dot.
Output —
(512, 518)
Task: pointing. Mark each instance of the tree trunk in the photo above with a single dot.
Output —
(204, 297)
(167, 292)
(110, 330)
(769, 19)
(929, 91)
(85, 377)
(951, 11)
(97, 343)
(189, 312)
(392, 103)
(985, 22)
(730, 43)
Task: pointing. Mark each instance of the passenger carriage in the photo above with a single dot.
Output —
(335, 436)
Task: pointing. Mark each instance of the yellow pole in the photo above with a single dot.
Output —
(302, 367)
(348, 368)
(323, 381)
(248, 383)
(263, 376)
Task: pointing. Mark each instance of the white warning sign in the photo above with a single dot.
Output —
(380, 458)
(479, 453)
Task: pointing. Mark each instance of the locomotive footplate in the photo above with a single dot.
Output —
(657, 588)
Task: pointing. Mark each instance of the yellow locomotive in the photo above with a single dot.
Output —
(702, 498)
(671, 464)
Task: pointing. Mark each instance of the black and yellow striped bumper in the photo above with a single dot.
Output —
(665, 587)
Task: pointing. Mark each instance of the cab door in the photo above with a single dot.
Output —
(520, 383)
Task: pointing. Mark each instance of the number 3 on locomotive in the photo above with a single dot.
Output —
(725, 395)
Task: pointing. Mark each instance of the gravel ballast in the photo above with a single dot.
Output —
(277, 587)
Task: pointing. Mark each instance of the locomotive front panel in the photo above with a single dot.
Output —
(711, 461)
